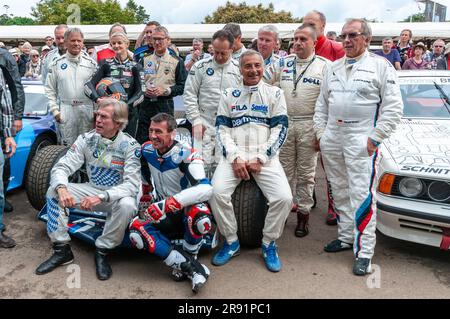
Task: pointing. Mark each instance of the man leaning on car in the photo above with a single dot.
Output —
(358, 107)
(112, 160)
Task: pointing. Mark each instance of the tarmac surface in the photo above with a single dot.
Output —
(402, 269)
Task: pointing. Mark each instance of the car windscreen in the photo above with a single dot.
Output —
(35, 104)
(429, 100)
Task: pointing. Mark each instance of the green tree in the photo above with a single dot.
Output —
(139, 11)
(243, 13)
(418, 17)
(51, 12)
(13, 20)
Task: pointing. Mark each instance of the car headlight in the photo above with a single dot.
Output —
(410, 187)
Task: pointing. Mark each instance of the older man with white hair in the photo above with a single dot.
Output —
(71, 108)
(112, 160)
(267, 43)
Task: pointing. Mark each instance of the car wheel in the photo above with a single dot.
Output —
(38, 177)
(250, 209)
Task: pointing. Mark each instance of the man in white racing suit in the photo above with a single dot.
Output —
(205, 83)
(300, 76)
(359, 106)
(56, 53)
(181, 187)
(112, 160)
(252, 125)
(71, 108)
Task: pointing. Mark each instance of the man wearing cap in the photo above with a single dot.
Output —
(49, 42)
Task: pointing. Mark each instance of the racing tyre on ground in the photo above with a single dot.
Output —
(38, 179)
(250, 209)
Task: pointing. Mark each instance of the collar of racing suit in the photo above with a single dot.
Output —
(105, 142)
(349, 61)
(252, 88)
(221, 65)
(166, 153)
(305, 61)
(73, 58)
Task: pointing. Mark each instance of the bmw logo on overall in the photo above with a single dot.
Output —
(210, 71)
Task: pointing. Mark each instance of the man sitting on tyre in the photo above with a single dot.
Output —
(112, 160)
(252, 126)
(181, 186)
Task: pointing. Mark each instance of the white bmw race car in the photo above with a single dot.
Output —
(414, 168)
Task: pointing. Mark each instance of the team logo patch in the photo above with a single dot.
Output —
(138, 153)
(210, 71)
(95, 154)
(149, 63)
(166, 71)
(63, 66)
(290, 63)
(236, 93)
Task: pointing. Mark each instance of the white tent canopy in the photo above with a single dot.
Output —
(184, 32)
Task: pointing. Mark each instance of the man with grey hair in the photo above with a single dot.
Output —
(300, 76)
(438, 51)
(196, 55)
(71, 108)
(267, 42)
(359, 106)
(112, 160)
(251, 128)
(238, 47)
(55, 53)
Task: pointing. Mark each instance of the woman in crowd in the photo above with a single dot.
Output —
(416, 62)
(122, 69)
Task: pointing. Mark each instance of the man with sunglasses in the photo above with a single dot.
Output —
(438, 51)
(300, 76)
(358, 107)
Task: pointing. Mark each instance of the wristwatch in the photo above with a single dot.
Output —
(102, 197)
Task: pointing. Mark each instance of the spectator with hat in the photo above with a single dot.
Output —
(417, 62)
(15, 52)
(50, 42)
(33, 67)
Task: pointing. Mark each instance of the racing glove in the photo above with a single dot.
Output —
(157, 211)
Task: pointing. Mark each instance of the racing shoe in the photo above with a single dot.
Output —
(102, 267)
(270, 255)
(331, 219)
(62, 255)
(362, 266)
(198, 274)
(302, 228)
(337, 246)
(225, 253)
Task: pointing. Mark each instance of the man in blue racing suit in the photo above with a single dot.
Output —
(181, 186)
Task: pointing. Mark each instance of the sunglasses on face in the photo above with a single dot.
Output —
(351, 35)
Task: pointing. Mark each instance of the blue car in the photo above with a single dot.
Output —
(38, 131)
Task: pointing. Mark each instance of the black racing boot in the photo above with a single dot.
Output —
(8, 208)
(302, 228)
(102, 266)
(62, 255)
(6, 242)
(362, 266)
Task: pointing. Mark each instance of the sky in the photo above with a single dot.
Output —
(194, 11)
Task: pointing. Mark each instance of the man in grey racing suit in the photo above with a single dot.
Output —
(178, 212)
(71, 108)
(205, 83)
(113, 166)
(252, 124)
(300, 76)
(359, 106)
